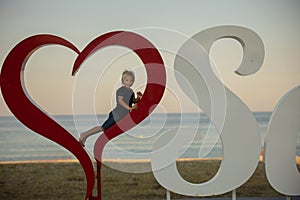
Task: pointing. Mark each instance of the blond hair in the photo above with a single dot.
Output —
(127, 73)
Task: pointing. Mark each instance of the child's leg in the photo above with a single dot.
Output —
(108, 123)
(92, 131)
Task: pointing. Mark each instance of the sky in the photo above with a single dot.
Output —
(48, 77)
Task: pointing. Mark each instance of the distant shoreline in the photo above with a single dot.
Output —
(115, 160)
(104, 160)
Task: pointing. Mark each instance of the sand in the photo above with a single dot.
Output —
(65, 179)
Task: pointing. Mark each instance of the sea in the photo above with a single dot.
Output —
(18, 143)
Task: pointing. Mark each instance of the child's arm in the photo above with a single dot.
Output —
(124, 105)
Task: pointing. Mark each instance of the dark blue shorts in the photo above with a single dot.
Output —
(109, 122)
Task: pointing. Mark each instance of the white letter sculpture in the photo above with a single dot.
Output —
(238, 128)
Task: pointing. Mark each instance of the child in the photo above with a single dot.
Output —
(125, 99)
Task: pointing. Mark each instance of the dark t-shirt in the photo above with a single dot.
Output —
(127, 95)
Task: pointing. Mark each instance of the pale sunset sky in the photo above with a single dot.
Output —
(48, 71)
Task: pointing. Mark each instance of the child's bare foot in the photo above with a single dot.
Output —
(85, 135)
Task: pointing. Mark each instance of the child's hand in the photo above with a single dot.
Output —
(138, 98)
(139, 94)
(134, 107)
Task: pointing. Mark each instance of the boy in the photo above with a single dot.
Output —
(125, 99)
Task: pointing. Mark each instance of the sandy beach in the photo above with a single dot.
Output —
(65, 179)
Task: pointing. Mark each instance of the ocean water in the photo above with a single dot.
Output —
(18, 143)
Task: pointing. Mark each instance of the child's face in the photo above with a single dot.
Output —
(128, 81)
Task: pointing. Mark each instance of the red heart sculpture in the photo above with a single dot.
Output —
(14, 93)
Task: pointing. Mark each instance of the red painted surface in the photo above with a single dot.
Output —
(20, 104)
